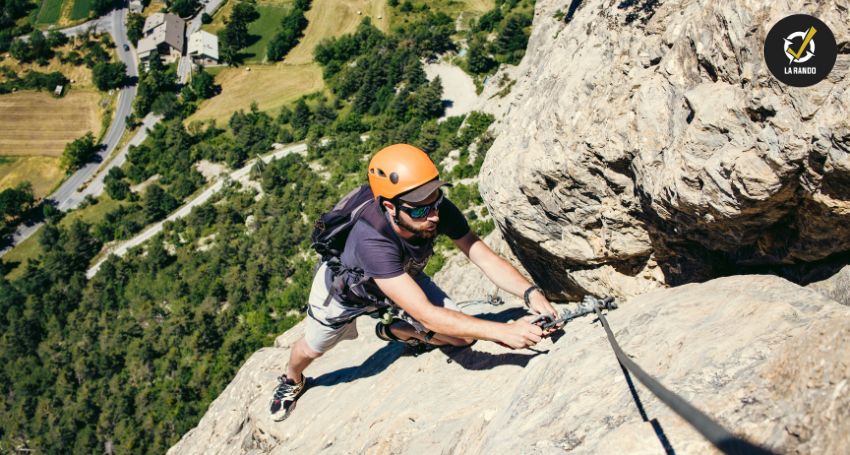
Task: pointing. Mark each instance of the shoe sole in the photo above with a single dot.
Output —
(285, 415)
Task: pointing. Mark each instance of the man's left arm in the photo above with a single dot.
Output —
(501, 272)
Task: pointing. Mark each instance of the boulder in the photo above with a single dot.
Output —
(762, 355)
(646, 144)
(836, 287)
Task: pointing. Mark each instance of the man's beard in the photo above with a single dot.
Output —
(418, 233)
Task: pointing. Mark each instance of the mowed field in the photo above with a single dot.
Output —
(36, 123)
(261, 30)
(328, 18)
(61, 12)
(272, 86)
(42, 172)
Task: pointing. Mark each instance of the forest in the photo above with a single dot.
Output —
(129, 361)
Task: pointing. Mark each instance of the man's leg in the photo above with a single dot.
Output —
(405, 331)
(300, 357)
(438, 297)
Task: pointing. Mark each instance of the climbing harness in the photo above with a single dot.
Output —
(722, 439)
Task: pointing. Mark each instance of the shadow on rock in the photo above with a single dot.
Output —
(478, 360)
(376, 363)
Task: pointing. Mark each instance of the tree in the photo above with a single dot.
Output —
(56, 39)
(20, 49)
(166, 104)
(135, 26)
(300, 116)
(16, 201)
(428, 102)
(101, 7)
(182, 8)
(292, 27)
(513, 36)
(39, 49)
(115, 185)
(202, 86)
(157, 203)
(489, 20)
(206, 18)
(235, 35)
(109, 75)
(478, 60)
(79, 152)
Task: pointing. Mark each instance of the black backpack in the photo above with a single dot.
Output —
(332, 228)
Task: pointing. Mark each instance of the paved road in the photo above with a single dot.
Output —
(70, 194)
(95, 187)
(205, 195)
(67, 196)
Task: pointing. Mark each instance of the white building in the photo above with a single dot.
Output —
(136, 6)
(164, 33)
(203, 48)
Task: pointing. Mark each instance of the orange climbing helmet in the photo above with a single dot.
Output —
(405, 172)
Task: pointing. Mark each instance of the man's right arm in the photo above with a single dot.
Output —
(404, 291)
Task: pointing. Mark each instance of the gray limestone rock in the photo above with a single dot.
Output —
(763, 356)
(643, 147)
(836, 287)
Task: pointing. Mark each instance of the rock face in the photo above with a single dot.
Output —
(836, 287)
(646, 143)
(764, 356)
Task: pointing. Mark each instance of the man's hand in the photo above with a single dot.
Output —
(540, 305)
(520, 334)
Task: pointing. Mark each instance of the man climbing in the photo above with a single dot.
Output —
(381, 265)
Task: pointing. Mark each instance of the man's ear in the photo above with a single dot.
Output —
(388, 206)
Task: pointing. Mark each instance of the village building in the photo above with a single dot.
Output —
(203, 48)
(164, 33)
(136, 6)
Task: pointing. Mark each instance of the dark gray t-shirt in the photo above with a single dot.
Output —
(379, 252)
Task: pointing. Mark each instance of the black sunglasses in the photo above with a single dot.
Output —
(421, 211)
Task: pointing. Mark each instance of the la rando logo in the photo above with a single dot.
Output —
(800, 50)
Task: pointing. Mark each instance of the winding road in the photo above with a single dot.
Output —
(69, 195)
(122, 248)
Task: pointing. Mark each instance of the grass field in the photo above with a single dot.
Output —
(41, 171)
(271, 86)
(81, 9)
(329, 18)
(36, 123)
(49, 12)
(264, 29)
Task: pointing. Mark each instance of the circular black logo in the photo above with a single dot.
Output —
(800, 50)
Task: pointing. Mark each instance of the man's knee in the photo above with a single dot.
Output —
(305, 350)
(462, 342)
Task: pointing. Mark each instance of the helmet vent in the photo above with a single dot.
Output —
(394, 177)
(381, 173)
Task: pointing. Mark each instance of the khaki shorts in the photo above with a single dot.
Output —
(330, 322)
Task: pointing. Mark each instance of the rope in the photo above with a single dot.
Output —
(725, 441)
(493, 299)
